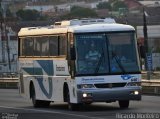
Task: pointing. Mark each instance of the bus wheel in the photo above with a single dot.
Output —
(36, 103)
(124, 103)
(45, 103)
(71, 106)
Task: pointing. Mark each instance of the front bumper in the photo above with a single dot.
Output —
(108, 95)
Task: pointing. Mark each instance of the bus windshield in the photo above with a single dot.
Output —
(106, 53)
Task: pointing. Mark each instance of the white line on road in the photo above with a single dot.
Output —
(47, 111)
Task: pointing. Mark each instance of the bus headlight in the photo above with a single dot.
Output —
(84, 95)
(133, 84)
(136, 92)
(85, 86)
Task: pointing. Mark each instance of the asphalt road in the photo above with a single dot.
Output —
(12, 106)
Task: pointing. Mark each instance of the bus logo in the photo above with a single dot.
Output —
(127, 77)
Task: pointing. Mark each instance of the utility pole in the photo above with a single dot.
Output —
(146, 44)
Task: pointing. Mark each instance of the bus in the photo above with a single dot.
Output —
(54, 65)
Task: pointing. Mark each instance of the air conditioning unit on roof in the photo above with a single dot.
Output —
(85, 21)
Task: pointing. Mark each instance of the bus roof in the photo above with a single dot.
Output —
(36, 31)
(74, 28)
(101, 28)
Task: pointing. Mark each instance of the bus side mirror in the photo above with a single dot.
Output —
(72, 53)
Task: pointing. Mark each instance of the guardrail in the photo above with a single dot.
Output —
(151, 87)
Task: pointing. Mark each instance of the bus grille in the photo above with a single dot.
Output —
(110, 85)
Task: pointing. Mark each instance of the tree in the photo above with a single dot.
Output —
(118, 4)
(28, 15)
(0, 10)
(80, 12)
(104, 5)
(8, 13)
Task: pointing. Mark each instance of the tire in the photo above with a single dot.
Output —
(72, 106)
(45, 103)
(38, 103)
(124, 103)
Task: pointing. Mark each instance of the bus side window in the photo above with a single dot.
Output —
(62, 45)
(36, 47)
(41, 46)
(28, 48)
(45, 46)
(23, 44)
(53, 46)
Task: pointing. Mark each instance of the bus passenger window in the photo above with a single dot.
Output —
(22, 51)
(28, 48)
(41, 46)
(62, 45)
(36, 47)
(44, 46)
(53, 46)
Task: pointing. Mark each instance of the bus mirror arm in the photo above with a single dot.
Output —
(72, 53)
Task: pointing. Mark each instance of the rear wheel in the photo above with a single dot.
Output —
(124, 103)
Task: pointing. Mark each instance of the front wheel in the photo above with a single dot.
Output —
(72, 106)
(124, 103)
(38, 103)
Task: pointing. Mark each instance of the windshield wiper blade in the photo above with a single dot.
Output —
(99, 62)
(118, 62)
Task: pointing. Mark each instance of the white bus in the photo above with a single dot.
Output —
(54, 64)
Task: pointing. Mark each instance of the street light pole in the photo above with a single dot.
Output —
(146, 42)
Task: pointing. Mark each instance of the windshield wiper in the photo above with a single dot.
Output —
(118, 62)
(99, 62)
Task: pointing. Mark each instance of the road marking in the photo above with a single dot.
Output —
(47, 111)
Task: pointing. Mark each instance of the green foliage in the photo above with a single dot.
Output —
(28, 15)
(7, 10)
(111, 1)
(158, 50)
(75, 8)
(0, 14)
(80, 12)
(8, 13)
(0, 11)
(158, 68)
(104, 5)
(118, 4)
